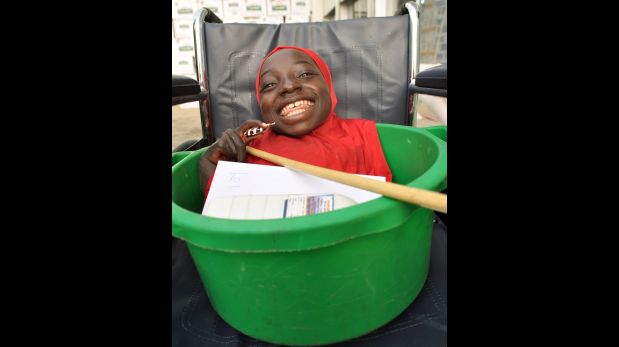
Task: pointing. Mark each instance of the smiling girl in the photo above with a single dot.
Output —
(295, 92)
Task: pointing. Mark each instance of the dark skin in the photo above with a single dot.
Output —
(293, 95)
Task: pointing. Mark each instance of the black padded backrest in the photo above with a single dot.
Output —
(368, 59)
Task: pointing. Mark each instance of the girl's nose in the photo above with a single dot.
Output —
(289, 85)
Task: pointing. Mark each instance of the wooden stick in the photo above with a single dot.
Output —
(425, 198)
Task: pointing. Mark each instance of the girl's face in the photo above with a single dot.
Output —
(293, 93)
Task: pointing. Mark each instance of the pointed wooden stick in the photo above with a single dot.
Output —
(425, 198)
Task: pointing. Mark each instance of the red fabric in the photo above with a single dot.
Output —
(349, 145)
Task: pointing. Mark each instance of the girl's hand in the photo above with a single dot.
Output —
(229, 146)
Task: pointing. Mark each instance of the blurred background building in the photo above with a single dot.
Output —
(433, 21)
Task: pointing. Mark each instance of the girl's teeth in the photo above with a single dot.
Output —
(293, 105)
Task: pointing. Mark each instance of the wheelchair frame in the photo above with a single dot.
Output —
(204, 15)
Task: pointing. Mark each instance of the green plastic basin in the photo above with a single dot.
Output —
(316, 279)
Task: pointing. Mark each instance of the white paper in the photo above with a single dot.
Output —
(241, 179)
(274, 206)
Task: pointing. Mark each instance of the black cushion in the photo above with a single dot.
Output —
(183, 86)
(435, 77)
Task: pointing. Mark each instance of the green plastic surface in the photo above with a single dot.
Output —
(317, 279)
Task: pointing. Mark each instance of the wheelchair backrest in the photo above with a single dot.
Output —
(368, 59)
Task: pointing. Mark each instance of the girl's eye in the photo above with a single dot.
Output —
(305, 75)
(267, 85)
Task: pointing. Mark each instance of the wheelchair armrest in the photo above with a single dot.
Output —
(432, 81)
(185, 89)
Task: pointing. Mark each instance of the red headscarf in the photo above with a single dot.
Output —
(349, 145)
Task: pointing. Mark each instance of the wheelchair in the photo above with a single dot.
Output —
(374, 62)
